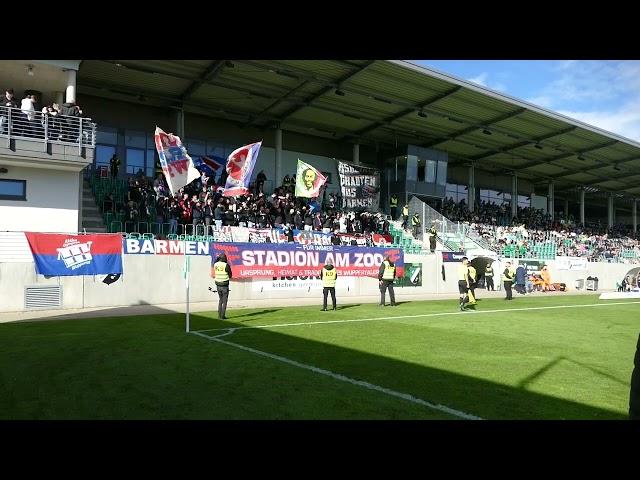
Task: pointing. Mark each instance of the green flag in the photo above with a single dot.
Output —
(308, 180)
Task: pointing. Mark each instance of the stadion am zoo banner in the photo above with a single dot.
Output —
(270, 260)
(360, 187)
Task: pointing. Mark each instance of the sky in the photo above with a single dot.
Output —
(603, 93)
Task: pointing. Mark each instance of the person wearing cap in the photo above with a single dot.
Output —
(328, 274)
(221, 274)
(386, 276)
(507, 278)
(463, 282)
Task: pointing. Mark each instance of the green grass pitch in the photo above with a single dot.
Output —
(506, 360)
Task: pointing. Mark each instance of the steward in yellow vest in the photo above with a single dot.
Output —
(221, 274)
(386, 276)
(328, 274)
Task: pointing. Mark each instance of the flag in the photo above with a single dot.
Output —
(61, 255)
(176, 163)
(308, 180)
(209, 165)
(239, 169)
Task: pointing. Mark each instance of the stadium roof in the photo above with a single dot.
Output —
(382, 102)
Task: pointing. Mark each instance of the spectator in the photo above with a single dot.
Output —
(260, 179)
(28, 115)
(9, 102)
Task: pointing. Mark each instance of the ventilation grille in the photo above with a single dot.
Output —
(46, 296)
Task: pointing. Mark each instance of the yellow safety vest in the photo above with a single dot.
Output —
(512, 273)
(389, 271)
(405, 211)
(488, 272)
(220, 269)
(415, 221)
(463, 272)
(329, 277)
(394, 202)
(472, 273)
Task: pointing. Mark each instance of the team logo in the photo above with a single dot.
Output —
(75, 254)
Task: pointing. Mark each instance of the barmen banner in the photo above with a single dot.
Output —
(249, 260)
(360, 186)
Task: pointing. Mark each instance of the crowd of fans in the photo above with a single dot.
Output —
(201, 203)
(27, 123)
(533, 226)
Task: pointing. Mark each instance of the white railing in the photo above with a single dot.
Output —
(46, 128)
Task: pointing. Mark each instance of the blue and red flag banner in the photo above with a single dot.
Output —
(211, 166)
(175, 161)
(65, 255)
(240, 166)
(270, 260)
(452, 256)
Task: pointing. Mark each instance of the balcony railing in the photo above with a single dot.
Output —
(46, 128)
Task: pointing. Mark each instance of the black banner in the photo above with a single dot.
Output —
(359, 186)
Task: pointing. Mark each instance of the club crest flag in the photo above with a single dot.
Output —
(239, 169)
(308, 180)
(176, 163)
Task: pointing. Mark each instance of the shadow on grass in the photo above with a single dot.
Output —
(476, 396)
(253, 314)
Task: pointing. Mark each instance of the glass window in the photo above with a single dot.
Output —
(134, 138)
(13, 189)
(422, 165)
(524, 201)
(215, 149)
(151, 162)
(431, 171)
(107, 135)
(196, 147)
(412, 168)
(135, 160)
(442, 173)
(104, 154)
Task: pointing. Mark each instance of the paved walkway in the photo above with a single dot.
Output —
(104, 312)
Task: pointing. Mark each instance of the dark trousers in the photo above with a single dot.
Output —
(394, 212)
(383, 288)
(223, 294)
(405, 221)
(507, 288)
(489, 282)
(432, 243)
(325, 292)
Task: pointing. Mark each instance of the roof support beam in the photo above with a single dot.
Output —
(567, 155)
(211, 71)
(277, 101)
(326, 90)
(473, 128)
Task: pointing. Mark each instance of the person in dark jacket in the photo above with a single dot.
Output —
(634, 396)
(521, 280)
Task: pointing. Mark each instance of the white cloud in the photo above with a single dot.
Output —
(624, 121)
(542, 101)
(480, 79)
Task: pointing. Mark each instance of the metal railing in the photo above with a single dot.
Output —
(47, 128)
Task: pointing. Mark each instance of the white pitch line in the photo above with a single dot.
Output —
(468, 312)
(343, 378)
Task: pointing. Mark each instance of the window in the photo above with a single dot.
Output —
(151, 162)
(412, 168)
(134, 138)
(442, 173)
(104, 154)
(107, 135)
(431, 171)
(455, 191)
(135, 160)
(524, 201)
(13, 189)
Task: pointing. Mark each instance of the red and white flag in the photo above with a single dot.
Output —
(175, 161)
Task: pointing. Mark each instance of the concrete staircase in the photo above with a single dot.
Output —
(92, 220)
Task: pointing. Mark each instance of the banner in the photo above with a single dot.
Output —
(357, 239)
(306, 284)
(176, 163)
(135, 246)
(360, 187)
(452, 256)
(239, 168)
(66, 255)
(570, 263)
(308, 181)
(211, 166)
(531, 266)
(275, 260)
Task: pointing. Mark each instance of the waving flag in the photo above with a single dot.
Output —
(308, 180)
(61, 255)
(239, 168)
(209, 165)
(175, 161)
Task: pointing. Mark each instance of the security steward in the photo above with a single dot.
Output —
(433, 233)
(415, 223)
(463, 282)
(221, 273)
(386, 276)
(473, 278)
(405, 216)
(328, 274)
(507, 278)
(488, 277)
(393, 204)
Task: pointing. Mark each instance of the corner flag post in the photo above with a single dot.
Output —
(187, 265)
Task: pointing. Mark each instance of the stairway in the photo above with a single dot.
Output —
(91, 218)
